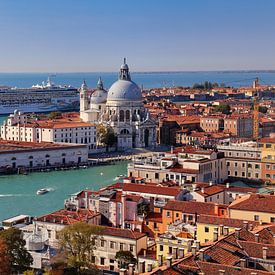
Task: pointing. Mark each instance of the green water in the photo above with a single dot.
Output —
(18, 192)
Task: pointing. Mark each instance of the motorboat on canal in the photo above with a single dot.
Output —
(42, 191)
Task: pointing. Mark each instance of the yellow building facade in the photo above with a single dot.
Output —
(267, 146)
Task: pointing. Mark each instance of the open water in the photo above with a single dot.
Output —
(147, 80)
(18, 192)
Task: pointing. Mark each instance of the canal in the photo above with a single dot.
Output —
(18, 192)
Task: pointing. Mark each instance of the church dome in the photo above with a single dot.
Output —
(124, 89)
(99, 95)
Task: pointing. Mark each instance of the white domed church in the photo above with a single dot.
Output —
(121, 108)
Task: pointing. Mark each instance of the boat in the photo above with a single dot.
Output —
(46, 97)
(42, 191)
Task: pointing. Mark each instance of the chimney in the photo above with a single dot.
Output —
(265, 252)
(181, 252)
(189, 246)
(226, 230)
(131, 269)
(86, 200)
(215, 234)
(141, 267)
(210, 183)
(122, 271)
(169, 260)
(245, 224)
(227, 185)
(160, 260)
(202, 189)
(257, 238)
(221, 229)
(149, 267)
(243, 263)
(237, 233)
(193, 249)
(197, 245)
(144, 252)
(221, 272)
(216, 209)
(201, 255)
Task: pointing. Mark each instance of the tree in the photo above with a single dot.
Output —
(106, 135)
(263, 109)
(223, 108)
(78, 242)
(5, 263)
(54, 115)
(125, 258)
(20, 258)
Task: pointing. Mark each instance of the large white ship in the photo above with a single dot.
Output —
(42, 98)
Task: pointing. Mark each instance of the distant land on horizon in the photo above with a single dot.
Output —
(149, 72)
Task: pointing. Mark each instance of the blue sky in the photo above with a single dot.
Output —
(155, 35)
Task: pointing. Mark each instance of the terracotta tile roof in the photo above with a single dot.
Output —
(210, 190)
(214, 268)
(154, 217)
(267, 140)
(66, 217)
(236, 223)
(255, 202)
(179, 169)
(193, 207)
(151, 189)
(24, 146)
(122, 233)
(255, 250)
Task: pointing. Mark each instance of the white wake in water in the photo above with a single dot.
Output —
(12, 195)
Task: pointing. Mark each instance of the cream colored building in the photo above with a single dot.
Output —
(18, 128)
(253, 207)
(193, 165)
(29, 154)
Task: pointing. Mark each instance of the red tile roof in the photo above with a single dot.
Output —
(122, 233)
(255, 202)
(193, 207)
(236, 223)
(151, 189)
(66, 217)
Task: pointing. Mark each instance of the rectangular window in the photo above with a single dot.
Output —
(256, 218)
(112, 245)
(121, 246)
(161, 248)
(102, 243)
(168, 214)
(272, 219)
(131, 248)
(206, 229)
(102, 260)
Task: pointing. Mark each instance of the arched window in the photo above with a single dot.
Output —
(47, 156)
(121, 115)
(124, 132)
(128, 115)
(63, 154)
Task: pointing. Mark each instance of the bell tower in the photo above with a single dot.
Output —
(84, 101)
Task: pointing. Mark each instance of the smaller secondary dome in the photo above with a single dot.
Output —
(99, 95)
